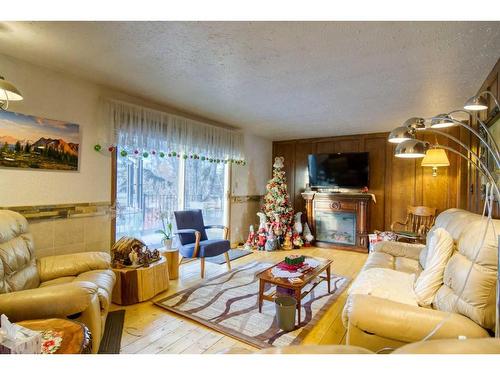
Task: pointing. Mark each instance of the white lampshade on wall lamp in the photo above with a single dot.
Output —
(442, 121)
(8, 93)
(411, 149)
(401, 134)
(478, 102)
(435, 157)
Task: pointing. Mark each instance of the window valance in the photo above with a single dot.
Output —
(141, 130)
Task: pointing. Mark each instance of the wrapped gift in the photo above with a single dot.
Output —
(15, 339)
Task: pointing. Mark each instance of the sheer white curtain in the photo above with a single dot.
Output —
(135, 127)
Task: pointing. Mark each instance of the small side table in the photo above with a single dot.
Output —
(135, 285)
(76, 337)
(172, 256)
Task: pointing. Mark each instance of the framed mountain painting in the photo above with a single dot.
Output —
(35, 142)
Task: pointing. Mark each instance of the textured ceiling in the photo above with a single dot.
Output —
(281, 80)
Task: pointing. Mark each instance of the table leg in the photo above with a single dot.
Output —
(328, 274)
(298, 296)
(261, 293)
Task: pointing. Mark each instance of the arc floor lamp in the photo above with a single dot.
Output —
(410, 147)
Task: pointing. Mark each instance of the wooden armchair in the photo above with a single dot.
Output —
(418, 221)
(193, 241)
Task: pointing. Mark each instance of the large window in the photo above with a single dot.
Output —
(150, 189)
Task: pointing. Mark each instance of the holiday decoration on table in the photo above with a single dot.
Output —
(297, 225)
(277, 206)
(294, 259)
(297, 240)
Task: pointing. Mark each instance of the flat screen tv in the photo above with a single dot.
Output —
(340, 170)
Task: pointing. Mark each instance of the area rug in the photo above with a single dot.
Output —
(233, 254)
(112, 336)
(228, 303)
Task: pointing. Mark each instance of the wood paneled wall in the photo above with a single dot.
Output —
(395, 182)
(472, 192)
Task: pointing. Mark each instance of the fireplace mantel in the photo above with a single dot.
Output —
(339, 220)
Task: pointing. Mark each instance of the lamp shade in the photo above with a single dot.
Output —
(411, 149)
(8, 91)
(435, 157)
(476, 103)
(442, 121)
(400, 134)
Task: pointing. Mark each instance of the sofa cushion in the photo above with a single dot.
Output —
(17, 259)
(439, 250)
(385, 283)
(478, 298)
(380, 259)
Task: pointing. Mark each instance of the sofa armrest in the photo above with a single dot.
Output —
(399, 249)
(53, 267)
(48, 302)
(406, 323)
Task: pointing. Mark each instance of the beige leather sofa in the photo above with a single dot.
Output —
(375, 323)
(77, 286)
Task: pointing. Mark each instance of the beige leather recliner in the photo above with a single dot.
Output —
(76, 286)
(375, 323)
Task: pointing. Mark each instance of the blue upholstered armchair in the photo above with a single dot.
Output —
(193, 241)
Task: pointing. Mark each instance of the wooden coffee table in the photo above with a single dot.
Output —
(266, 276)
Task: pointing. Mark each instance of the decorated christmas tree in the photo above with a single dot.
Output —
(277, 205)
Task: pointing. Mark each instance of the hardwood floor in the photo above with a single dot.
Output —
(151, 329)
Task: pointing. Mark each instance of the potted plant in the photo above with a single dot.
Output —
(167, 235)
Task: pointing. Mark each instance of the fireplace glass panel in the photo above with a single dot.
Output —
(336, 227)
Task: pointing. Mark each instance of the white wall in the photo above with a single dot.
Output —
(251, 178)
(60, 97)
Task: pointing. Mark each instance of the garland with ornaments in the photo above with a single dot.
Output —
(145, 154)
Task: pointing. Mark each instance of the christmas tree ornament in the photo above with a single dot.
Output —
(145, 154)
(174, 153)
(161, 154)
(184, 156)
(123, 153)
(111, 148)
(97, 147)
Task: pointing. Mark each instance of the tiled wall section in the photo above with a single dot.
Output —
(71, 235)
